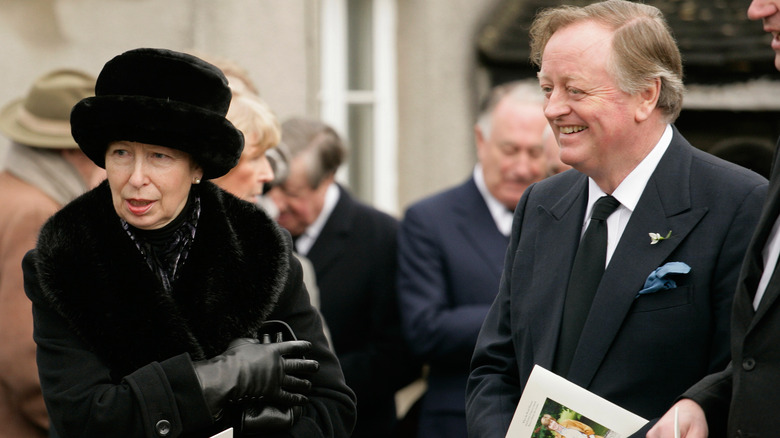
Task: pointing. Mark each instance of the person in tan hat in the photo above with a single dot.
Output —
(44, 170)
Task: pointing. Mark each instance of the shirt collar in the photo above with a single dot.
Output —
(630, 189)
(501, 215)
(307, 239)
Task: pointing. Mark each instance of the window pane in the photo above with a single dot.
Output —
(360, 42)
(361, 158)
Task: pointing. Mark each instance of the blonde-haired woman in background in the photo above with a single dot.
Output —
(262, 136)
(254, 118)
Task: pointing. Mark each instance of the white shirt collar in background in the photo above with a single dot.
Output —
(501, 216)
(306, 240)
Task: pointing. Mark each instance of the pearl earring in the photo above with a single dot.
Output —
(196, 180)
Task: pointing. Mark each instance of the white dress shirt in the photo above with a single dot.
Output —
(627, 193)
(771, 252)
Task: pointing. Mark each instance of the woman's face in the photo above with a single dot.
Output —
(247, 178)
(149, 184)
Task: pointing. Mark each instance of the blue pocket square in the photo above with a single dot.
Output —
(657, 280)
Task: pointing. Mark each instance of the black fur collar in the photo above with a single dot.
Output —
(92, 274)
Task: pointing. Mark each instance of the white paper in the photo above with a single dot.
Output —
(547, 393)
(676, 422)
(227, 433)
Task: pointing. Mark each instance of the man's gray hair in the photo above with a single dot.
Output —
(318, 143)
(522, 92)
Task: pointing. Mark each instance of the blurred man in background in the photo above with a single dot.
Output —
(451, 250)
(353, 249)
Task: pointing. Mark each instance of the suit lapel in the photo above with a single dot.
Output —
(752, 267)
(560, 225)
(663, 206)
(473, 219)
(331, 242)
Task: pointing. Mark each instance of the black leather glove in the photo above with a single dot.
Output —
(259, 418)
(250, 370)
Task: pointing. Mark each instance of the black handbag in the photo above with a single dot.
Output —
(257, 417)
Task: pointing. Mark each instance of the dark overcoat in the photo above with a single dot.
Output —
(354, 258)
(115, 350)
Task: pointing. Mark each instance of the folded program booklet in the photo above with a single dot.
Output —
(553, 406)
(227, 433)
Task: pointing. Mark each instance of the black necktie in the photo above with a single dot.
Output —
(586, 273)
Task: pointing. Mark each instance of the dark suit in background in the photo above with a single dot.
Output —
(353, 249)
(355, 260)
(451, 248)
(451, 255)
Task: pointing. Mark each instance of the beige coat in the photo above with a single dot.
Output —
(23, 210)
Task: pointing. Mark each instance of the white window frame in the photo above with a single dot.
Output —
(335, 97)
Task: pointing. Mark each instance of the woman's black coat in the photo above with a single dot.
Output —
(115, 349)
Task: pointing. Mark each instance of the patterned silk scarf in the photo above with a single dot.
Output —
(165, 250)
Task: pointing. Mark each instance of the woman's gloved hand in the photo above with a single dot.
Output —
(249, 369)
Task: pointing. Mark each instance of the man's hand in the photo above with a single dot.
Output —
(690, 419)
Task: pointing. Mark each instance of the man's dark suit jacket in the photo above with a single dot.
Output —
(355, 262)
(638, 352)
(450, 259)
(747, 392)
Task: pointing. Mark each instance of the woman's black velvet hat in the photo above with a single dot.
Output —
(160, 97)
